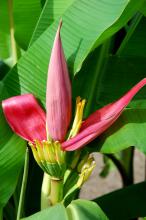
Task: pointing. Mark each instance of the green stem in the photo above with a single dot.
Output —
(16, 194)
(56, 194)
(23, 187)
(101, 58)
(13, 42)
(129, 33)
(45, 192)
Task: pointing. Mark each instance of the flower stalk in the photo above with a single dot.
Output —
(56, 193)
(45, 191)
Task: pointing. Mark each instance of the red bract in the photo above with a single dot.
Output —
(100, 120)
(28, 120)
(25, 117)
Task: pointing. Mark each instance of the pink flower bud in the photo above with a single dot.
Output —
(58, 95)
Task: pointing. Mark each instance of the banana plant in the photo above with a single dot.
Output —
(72, 88)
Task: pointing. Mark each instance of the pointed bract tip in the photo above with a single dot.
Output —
(60, 24)
(59, 28)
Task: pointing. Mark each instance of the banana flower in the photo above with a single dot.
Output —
(28, 120)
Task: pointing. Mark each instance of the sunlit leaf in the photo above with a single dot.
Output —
(11, 161)
(26, 14)
(12, 152)
(5, 49)
(77, 210)
(80, 31)
(51, 11)
(84, 210)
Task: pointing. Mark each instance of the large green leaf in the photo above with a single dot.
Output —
(80, 31)
(134, 44)
(5, 50)
(51, 11)
(85, 210)
(114, 78)
(105, 77)
(125, 204)
(55, 213)
(128, 130)
(26, 14)
(125, 72)
(11, 161)
(132, 7)
(143, 8)
(77, 210)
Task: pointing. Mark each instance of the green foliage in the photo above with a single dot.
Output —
(26, 14)
(5, 49)
(56, 212)
(133, 45)
(78, 209)
(105, 77)
(125, 204)
(83, 209)
(129, 130)
(12, 152)
(52, 10)
(143, 8)
(79, 34)
(11, 161)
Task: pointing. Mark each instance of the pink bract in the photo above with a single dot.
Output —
(58, 95)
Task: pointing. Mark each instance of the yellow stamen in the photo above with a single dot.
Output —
(51, 152)
(35, 153)
(56, 148)
(78, 117)
(46, 151)
(40, 150)
(60, 155)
